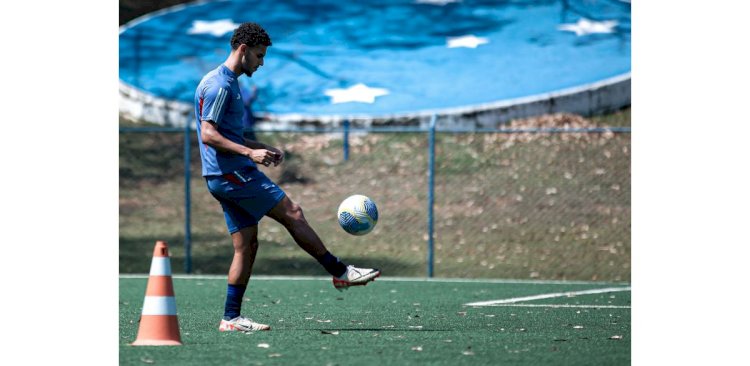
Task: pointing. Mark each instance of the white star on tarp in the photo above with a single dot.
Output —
(469, 41)
(216, 28)
(357, 93)
(585, 26)
(436, 2)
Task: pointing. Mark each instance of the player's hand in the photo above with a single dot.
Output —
(278, 156)
(263, 156)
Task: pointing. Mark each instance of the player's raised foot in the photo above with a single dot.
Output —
(241, 324)
(355, 277)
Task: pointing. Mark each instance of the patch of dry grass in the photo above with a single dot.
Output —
(548, 206)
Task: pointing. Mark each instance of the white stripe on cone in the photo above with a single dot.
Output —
(160, 267)
(159, 305)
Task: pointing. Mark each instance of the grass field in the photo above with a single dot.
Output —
(391, 322)
(508, 206)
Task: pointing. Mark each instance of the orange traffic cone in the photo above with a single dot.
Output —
(158, 325)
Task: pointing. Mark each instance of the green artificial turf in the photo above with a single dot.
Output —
(389, 322)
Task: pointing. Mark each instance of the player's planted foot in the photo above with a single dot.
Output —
(241, 324)
(355, 277)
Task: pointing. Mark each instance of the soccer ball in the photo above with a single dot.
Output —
(358, 214)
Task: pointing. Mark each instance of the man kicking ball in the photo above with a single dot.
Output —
(245, 193)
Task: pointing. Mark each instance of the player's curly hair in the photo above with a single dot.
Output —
(251, 34)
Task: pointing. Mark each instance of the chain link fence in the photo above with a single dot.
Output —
(542, 204)
(530, 205)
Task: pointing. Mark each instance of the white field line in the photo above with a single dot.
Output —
(548, 296)
(387, 279)
(564, 306)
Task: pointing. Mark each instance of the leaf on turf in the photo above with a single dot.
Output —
(323, 321)
(274, 355)
(578, 327)
(334, 332)
(417, 348)
(146, 360)
(263, 345)
(618, 337)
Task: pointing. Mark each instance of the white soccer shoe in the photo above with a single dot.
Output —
(355, 277)
(241, 324)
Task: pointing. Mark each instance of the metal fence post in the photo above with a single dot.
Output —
(188, 256)
(431, 197)
(346, 140)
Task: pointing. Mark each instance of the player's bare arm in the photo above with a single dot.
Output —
(212, 137)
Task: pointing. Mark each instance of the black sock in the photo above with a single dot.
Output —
(332, 264)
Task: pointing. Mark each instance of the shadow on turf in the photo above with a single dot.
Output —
(136, 255)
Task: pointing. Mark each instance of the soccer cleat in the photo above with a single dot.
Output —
(241, 324)
(355, 277)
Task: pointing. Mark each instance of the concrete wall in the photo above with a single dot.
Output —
(591, 99)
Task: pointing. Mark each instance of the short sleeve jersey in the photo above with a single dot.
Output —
(218, 99)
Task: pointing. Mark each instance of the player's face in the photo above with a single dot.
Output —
(252, 59)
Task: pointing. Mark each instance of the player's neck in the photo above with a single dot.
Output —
(233, 63)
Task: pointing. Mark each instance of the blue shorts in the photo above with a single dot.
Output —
(245, 197)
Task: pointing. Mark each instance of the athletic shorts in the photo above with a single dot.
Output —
(245, 196)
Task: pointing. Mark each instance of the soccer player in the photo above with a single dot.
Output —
(245, 193)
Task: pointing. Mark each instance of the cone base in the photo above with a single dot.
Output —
(155, 342)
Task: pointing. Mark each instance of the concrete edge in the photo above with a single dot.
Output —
(603, 96)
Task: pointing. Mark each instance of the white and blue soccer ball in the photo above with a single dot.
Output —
(358, 214)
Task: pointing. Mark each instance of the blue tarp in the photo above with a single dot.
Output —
(522, 48)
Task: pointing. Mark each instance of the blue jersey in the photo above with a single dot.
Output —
(218, 99)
